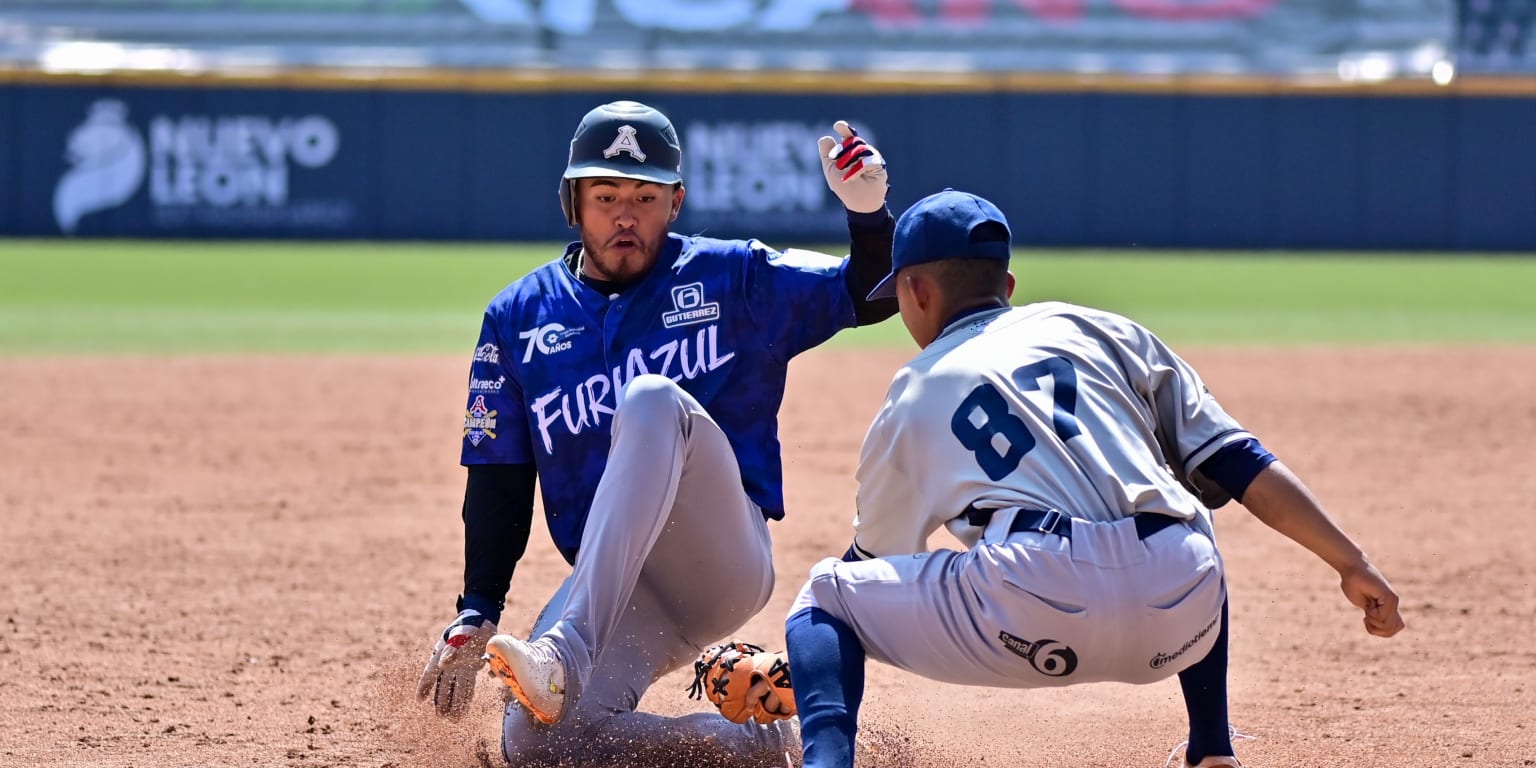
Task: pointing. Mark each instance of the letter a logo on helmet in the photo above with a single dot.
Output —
(625, 142)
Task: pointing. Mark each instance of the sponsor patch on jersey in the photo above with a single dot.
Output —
(689, 306)
(479, 422)
(548, 339)
(488, 353)
(1164, 659)
(488, 386)
(1049, 657)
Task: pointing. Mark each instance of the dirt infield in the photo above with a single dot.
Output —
(243, 561)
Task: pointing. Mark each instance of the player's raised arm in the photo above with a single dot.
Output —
(856, 173)
(1280, 499)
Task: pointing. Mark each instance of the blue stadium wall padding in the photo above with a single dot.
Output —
(1092, 168)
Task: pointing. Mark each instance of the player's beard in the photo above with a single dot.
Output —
(614, 261)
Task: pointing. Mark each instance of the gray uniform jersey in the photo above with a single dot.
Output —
(1021, 411)
(1111, 421)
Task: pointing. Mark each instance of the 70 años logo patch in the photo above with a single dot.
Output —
(479, 422)
(548, 339)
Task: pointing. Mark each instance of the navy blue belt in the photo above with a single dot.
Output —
(1052, 521)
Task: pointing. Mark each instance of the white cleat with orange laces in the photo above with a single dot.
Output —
(534, 672)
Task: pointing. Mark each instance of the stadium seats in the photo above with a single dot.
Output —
(1287, 36)
(1495, 35)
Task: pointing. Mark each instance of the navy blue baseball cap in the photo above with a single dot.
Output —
(945, 225)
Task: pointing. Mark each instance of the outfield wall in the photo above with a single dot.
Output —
(1246, 165)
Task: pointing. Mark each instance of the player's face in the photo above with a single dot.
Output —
(623, 224)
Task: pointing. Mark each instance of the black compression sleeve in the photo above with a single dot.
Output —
(869, 261)
(498, 514)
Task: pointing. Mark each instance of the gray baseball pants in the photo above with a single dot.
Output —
(675, 556)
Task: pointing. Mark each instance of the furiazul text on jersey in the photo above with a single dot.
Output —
(584, 404)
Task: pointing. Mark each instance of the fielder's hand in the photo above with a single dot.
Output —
(450, 674)
(1370, 592)
(855, 171)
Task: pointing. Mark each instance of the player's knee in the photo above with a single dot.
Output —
(820, 590)
(805, 599)
(650, 393)
(824, 570)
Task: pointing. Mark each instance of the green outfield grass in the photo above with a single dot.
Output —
(62, 297)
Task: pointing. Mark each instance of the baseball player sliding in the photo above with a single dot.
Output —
(1076, 455)
(638, 378)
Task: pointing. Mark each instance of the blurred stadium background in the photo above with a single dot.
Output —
(1269, 124)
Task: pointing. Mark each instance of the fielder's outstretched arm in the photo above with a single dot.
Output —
(1280, 499)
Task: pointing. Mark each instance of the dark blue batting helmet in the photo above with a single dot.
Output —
(621, 139)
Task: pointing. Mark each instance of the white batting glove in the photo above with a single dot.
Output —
(450, 674)
(855, 171)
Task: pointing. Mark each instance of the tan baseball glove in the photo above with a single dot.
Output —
(744, 682)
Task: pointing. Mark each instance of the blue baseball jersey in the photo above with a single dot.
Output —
(722, 318)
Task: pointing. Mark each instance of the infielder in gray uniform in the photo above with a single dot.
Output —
(1078, 458)
(638, 377)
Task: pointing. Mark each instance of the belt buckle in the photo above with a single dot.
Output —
(1049, 523)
